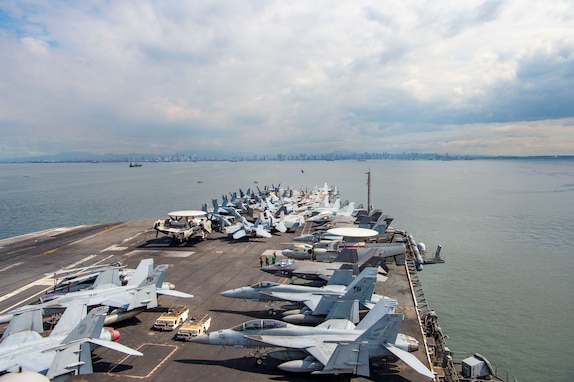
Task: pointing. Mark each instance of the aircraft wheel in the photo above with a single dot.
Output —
(259, 361)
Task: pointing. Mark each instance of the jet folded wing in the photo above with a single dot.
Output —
(174, 293)
(314, 345)
(239, 234)
(115, 346)
(294, 342)
(117, 301)
(322, 352)
(410, 360)
(350, 357)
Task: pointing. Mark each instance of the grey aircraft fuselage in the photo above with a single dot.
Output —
(259, 291)
(245, 335)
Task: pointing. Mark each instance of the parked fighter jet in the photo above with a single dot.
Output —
(311, 270)
(70, 280)
(262, 290)
(291, 221)
(65, 351)
(244, 228)
(322, 214)
(336, 346)
(318, 300)
(183, 225)
(271, 223)
(219, 219)
(140, 292)
(318, 303)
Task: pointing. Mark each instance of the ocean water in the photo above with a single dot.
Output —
(505, 227)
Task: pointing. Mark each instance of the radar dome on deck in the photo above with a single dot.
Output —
(187, 213)
(24, 376)
(353, 232)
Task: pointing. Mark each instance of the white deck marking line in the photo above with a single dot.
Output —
(44, 281)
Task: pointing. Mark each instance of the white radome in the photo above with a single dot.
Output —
(353, 232)
(24, 376)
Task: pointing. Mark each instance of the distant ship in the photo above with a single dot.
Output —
(135, 164)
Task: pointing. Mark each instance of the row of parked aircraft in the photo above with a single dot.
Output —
(279, 210)
(340, 342)
(114, 293)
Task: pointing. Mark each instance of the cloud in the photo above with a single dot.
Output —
(272, 76)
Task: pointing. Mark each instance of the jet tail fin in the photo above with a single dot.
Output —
(383, 307)
(74, 359)
(344, 309)
(372, 258)
(106, 278)
(385, 329)
(73, 355)
(363, 286)
(27, 320)
(89, 327)
(142, 272)
(70, 319)
(341, 277)
(156, 277)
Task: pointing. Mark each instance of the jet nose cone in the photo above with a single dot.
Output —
(268, 268)
(228, 293)
(200, 339)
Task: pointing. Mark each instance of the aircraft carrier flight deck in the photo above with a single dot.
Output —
(203, 268)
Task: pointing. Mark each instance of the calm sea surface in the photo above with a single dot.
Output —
(507, 287)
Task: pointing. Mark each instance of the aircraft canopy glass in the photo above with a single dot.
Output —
(259, 324)
(265, 284)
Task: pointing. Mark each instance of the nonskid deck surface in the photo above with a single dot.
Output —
(201, 268)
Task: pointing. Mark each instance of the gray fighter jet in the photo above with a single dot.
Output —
(65, 351)
(245, 228)
(318, 301)
(140, 292)
(336, 346)
(347, 259)
(262, 291)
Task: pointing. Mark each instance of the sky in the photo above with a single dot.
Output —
(267, 77)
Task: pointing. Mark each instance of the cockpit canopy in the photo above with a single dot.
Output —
(264, 284)
(259, 324)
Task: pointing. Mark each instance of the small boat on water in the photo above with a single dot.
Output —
(135, 164)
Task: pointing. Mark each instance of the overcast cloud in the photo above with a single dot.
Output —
(267, 77)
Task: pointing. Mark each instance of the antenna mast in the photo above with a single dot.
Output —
(369, 192)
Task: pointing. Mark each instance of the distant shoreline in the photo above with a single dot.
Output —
(319, 157)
